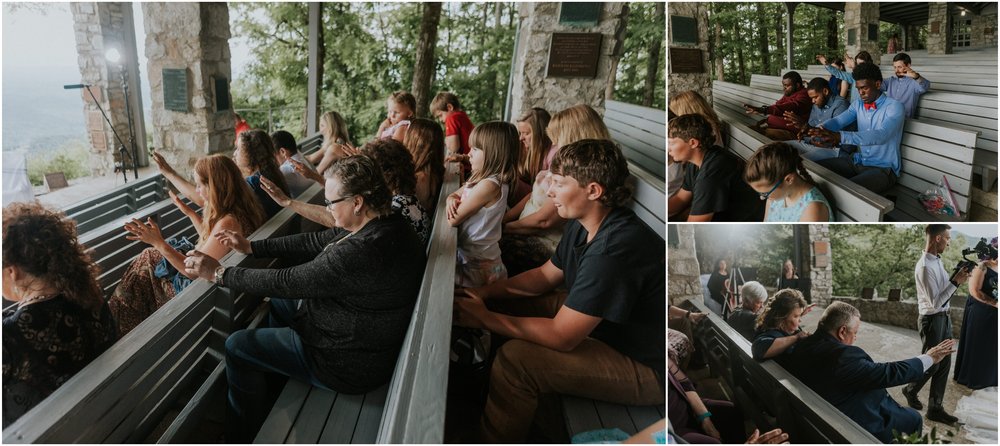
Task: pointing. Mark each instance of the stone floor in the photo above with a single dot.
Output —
(81, 189)
(887, 343)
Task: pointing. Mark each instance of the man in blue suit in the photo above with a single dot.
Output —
(848, 378)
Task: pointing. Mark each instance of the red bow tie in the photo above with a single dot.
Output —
(870, 106)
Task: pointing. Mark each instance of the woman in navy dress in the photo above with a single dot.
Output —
(976, 361)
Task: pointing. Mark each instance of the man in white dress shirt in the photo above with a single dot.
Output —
(934, 290)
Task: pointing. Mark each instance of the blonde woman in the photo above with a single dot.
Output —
(335, 135)
(690, 102)
(425, 141)
(533, 227)
(535, 145)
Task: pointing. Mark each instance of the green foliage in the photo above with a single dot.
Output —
(741, 28)
(72, 159)
(370, 51)
(764, 247)
(921, 438)
(643, 28)
(882, 257)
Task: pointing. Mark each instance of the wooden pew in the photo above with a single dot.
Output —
(411, 407)
(123, 395)
(117, 203)
(766, 393)
(641, 133)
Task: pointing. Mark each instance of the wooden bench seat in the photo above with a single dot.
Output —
(766, 394)
(641, 133)
(304, 414)
(117, 203)
(584, 415)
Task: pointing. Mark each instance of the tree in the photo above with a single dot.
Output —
(424, 68)
(653, 65)
(616, 53)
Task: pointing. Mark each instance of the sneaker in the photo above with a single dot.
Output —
(912, 400)
(941, 416)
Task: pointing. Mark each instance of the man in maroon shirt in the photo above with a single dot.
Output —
(795, 100)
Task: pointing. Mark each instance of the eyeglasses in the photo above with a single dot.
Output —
(330, 203)
(763, 196)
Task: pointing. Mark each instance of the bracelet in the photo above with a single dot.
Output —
(703, 416)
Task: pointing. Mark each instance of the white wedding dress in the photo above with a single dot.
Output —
(979, 413)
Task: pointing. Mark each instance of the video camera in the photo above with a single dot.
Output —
(983, 249)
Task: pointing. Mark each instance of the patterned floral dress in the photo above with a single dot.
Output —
(44, 345)
(140, 292)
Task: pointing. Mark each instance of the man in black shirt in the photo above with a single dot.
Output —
(713, 188)
(608, 340)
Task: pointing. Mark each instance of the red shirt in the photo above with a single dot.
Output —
(797, 103)
(241, 127)
(458, 123)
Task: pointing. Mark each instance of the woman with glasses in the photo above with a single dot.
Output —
(357, 297)
(776, 173)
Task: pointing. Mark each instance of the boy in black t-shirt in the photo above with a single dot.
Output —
(713, 188)
(608, 340)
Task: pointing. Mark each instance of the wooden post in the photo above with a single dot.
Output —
(312, 94)
(789, 23)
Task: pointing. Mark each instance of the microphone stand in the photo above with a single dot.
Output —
(121, 149)
(131, 129)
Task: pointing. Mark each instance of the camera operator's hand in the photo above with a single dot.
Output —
(938, 352)
(962, 276)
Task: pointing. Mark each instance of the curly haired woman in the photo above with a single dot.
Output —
(778, 325)
(59, 322)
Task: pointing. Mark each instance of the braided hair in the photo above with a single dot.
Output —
(773, 161)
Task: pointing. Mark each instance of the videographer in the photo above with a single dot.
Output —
(934, 290)
(976, 361)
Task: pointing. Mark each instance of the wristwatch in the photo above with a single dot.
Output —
(219, 272)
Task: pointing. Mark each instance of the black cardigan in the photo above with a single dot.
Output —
(358, 297)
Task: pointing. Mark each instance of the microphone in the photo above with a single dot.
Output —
(75, 86)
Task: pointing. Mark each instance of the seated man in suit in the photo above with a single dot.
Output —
(848, 378)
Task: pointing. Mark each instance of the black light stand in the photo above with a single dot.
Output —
(131, 128)
(122, 151)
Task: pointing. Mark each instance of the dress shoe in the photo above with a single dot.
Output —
(941, 416)
(912, 400)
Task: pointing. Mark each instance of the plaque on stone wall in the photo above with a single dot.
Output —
(574, 54)
(852, 36)
(935, 27)
(175, 91)
(580, 14)
(221, 94)
(872, 33)
(683, 29)
(686, 60)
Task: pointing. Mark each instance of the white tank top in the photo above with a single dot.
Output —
(538, 198)
(479, 235)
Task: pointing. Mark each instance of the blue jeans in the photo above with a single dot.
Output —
(253, 358)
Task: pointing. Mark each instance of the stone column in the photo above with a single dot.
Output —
(984, 29)
(857, 17)
(821, 264)
(700, 82)
(911, 38)
(531, 87)
(193, 37)
(939, 29)
(683, 270)
(100, 27)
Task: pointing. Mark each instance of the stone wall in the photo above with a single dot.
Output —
(938, 42)
(700, 82)
(901, 314)
(821, 276)
(195, 37)
(858, 16)
(531, 87)
(683, 269)
(984, 28)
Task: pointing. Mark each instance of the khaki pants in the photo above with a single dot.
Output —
(523, 371)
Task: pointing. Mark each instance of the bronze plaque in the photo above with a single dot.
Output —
(935, 27)
(821, 248)
(686, 60)
(852, 36)
(175, 91)
(574, 54)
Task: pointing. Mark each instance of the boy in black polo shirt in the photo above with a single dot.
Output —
(713, 188)
(607, 341)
